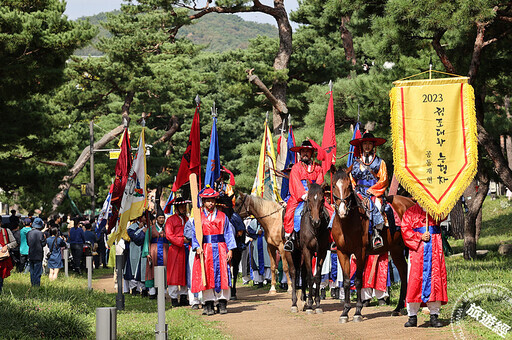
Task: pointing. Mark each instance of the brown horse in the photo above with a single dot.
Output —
(350, 233)
(269, 215)
(314, 238)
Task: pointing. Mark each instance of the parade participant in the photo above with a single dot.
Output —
(370, 179)
(226, 206)
(155, 250)
(76, 242)
(303, 173)
(426, 283)
(376, 279)
(218, 242)
(24, 245)
(135, 266)
(194, 299)
(178, 253)
(7, 242)
(260, 261)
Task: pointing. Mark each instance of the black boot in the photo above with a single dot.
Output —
(175, 303)
(322, 293)
(183, 300)
(222, 306)
(335, 293)
(135, 292)
(144, 293)
(233, 294)
(434, 321)
(382, 302)
(366, 303)
(412, 322)
(209, 308)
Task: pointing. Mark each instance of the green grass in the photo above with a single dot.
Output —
(65, 309)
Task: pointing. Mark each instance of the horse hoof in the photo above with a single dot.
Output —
(272, 291)
(294, 309)
(310, 311)
(290, 291)
(319, 311)
(343, 319)
(358, 318)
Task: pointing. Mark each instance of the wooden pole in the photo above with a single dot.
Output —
(197, 220)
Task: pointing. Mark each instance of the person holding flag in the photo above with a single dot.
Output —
(303, 172)
(218, 242)
(178, 253)
(369, 178)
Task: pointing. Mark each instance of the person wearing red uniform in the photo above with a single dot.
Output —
(426, 284)
(177, 254)
(303, 173)
(218, 242)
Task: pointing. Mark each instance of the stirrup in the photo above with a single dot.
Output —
(288, 245)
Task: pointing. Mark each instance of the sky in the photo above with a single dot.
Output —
(80, 8)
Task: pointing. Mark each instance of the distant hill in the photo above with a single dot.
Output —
(217, 31)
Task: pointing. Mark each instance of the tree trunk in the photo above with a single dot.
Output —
(457, 220)
(80, 163)
(348, 42)
(475, 196)
(281, 61)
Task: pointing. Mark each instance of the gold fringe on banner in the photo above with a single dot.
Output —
(435, 198)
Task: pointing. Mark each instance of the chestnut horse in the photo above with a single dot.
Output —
(270, 215)
(350, 233)
(314, 238)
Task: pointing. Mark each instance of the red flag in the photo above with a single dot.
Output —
(329, 138)
(123, 166)
(191, 160)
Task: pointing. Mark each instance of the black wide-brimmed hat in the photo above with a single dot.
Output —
(180, 201)
(306, 145)
(368, 137)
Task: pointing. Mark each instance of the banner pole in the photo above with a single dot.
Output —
(197, 221)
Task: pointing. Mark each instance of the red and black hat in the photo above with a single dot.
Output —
(368, 137)
(208, 192)
(306, 145)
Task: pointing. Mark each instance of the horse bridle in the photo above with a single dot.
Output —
(347, 200)
(256, 217)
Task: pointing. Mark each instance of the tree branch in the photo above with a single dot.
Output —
(79, 165)
(173, 127)
(279, 105)
(53, 163)
(493, 40)
(441, 53)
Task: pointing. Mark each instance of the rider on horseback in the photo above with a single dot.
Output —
(303, 172)
(370, 179)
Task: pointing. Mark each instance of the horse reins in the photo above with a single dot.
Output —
(257, 217)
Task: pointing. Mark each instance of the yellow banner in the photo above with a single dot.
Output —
(433, 126)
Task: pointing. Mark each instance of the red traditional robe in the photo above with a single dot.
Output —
(300, 176)
(376, 277)
(427, 273)
(216, 244)
(177, 254)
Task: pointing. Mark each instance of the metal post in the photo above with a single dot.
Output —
(160, 283)
(106, 323)
(119, 269)
(66, 262)
(91, 135)
(88, 265)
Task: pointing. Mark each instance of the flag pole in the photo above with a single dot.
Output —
(197, 221)
(330, 169)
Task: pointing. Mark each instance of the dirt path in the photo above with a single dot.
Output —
(257, 315)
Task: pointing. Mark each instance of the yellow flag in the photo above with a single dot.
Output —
(265, 183)
(433, 125)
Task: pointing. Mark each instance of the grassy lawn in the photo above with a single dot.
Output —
(65, 309)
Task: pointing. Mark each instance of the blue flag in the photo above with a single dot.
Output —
(213, 164)
(352, 151)
(290, 160)
(169, 208)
